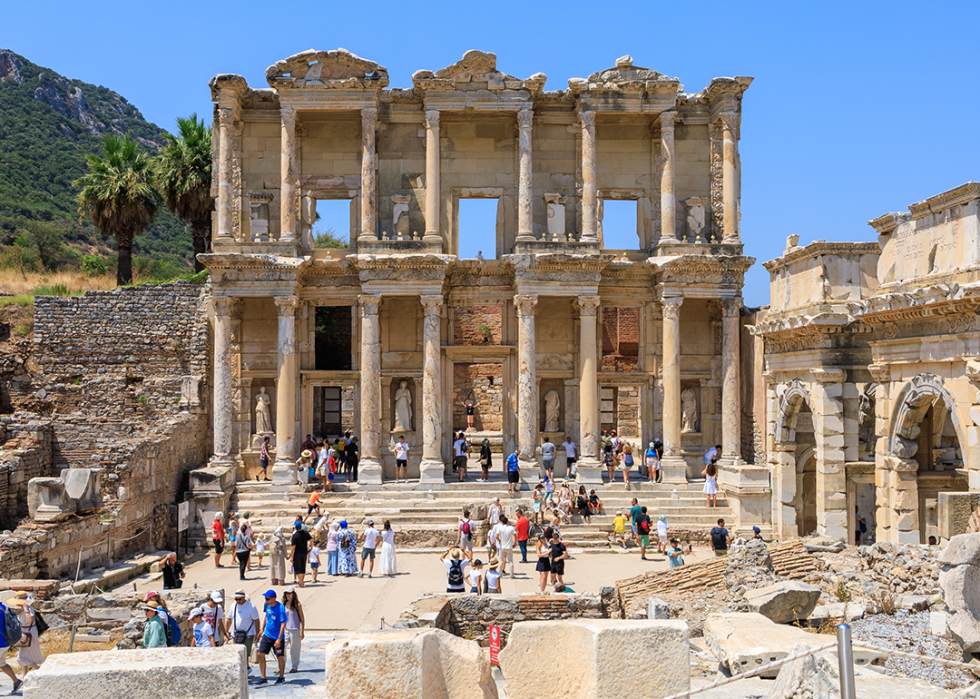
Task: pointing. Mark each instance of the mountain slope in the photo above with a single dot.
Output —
(48, 125)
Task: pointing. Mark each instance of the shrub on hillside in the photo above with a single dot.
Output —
(94, 265)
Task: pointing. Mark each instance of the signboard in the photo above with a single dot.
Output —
(495, 645)
(183, 516)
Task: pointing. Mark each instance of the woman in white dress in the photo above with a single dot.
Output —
(388, 565)
(29, 656)
(710, 491)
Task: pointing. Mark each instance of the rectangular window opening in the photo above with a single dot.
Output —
(332, 338)
(477, 228)
(619, 230)
(332, 225)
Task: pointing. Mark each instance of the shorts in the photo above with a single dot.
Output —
(513, 476)
(401, 463)
(466, 542)
(330, 476)
(662, 539)
(218, 547)
(3, 657)
(269, 644)
(314, 566)
(264, 462)
(299, 566)
(644, 540)
(721, 552)
(549, 464)
(367, 553)
(558, 567)
(310, 508)
(460, 462)
(633, 527)
(569, 461)
(621, 533)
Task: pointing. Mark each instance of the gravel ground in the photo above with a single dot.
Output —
(909, 632)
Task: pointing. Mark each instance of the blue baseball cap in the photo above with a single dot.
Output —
(269, 593)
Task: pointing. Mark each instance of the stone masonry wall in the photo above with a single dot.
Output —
(467, 321)
(25, 453)
(484, 383)
(620, 338)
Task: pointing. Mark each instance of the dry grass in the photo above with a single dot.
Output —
(14, 283)
(56, 641)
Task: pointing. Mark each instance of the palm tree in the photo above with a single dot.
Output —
(184, 178)
(119, 197)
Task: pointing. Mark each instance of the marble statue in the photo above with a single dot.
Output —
(552, 411)
(403, 408)
(263, 415)
(689, 410)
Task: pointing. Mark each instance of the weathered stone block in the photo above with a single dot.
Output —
(963, 549)
(783, 602)
(47, 500)
(961, 593)
(657, 609)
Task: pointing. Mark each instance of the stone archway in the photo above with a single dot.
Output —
(794, 398)
(788, 515)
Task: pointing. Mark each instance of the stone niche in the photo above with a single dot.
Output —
(255, 440)
(481, 383)
(555, 388)
(394, 393)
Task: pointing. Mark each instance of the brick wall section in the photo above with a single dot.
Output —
(484, 384)
(467, 321)
(620, 338)
(25, 453)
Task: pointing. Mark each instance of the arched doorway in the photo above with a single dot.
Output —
(807, 491)
(796, 454)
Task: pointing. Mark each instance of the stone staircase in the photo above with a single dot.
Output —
(420, 512)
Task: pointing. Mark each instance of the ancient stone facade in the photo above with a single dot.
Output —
(872, 367)
(576, 334)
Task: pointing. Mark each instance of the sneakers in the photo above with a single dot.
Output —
(262, 681)
(360, 574)
(369, 575)
(280, 680)
(17, 685)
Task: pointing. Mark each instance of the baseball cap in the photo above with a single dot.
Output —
(216, 596)
(370, 521)
(150, 595)
(290, 589)
(269, 593)
(298, 524)
(674, 541)
(195, 612)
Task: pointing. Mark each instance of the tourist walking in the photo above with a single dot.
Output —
(214, 615)
(556, 521)
(277, 562)
(720, 539)
(203, 632)
(493, 577)
(347, 551)
(538, 499)
(459, 454)
(298, 553)
(544, 558)
(476, 578)
(272, 637)
(467, 532)
(548, 451)
(619, 528)
(332, 545)
(4, 666)
(643, 530)
(400, 450)
(264, 459)
(217, 538)
(506, 536)
(658, 448)
(308, 444)
(29, 655)
(627, 463)
(635, 512)
(570, 456)
(154, 632)
(231, 543)
(710, 490)
(486, 461)
(663, 527)
(675, 554)
(352, 455)
(513, 472)
(370, 543)
(549, 493)
(173, 573)
(295, 626)
(523, 528)
(323, 468)
(312, 503)
(243, 550)
(242, 624)
(388, 564)
(558, 555)
(314, 560)
(455, 570)
(649, 468)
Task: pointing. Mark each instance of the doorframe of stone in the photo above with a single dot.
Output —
(457, 193)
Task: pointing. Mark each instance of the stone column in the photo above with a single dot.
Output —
(782, 461)
(287, 173)
(432, 469)
(525, 224)
(221, 413)
(827, 406)
(589, 191)
(731, 404)
(284, 470)
(369, 470)
(433, 194)
(673, 464)
(369, 216)
(668, 210)
(527, 403)
(589, 466)
(226, 193)
(729, 174)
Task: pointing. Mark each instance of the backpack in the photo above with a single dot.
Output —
(345, 541)
(718, 539)
(643, 526)
(582, 503)
(11, 626)
(172, 630)
(455, 573)
(466, 528)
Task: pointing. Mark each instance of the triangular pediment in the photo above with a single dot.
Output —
(337, 68)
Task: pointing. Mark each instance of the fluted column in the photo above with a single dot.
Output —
(589, 191)
(432, 469)
(674, 466)
(226, 146)
(288, 177)
(284, 470)
(729, 174)
(525, 224)
(369, 215)
(222, 402)
(731, 404)
(526, 377)
(370, 465)
(432, 185)
(589, 466)
(668, 205)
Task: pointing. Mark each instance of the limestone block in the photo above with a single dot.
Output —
(161, 673)
(954, 512)
(848, 611)
(83, 487)
(657, 609)
(963, 549)
(783, 602)
(47, 500)
(938, 625)
(593, 659)
(407, 663)
(961, 593)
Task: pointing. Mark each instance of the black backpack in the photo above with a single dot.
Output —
(643, 526)
(455, 574)
(718, 542)
(11, 626)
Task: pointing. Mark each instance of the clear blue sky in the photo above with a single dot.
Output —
(857, 108)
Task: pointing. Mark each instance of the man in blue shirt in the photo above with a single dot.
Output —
(513, 472)
(3, 655)
(272, 637)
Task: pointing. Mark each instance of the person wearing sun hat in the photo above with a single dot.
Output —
(493, 577)
(154, 632)
(29, 656)
(455, 569)
(303, 464)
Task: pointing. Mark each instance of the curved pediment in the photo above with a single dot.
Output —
(624, 75)
(327, 69)
(479, 67)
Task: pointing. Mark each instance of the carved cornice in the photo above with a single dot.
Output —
(407, 268)
(881, 373)
(957, 196)
(698, 270)
(475, 67)
(819, 249)
(828, 375)
(956, 304)
(233, 266)
(886, 223)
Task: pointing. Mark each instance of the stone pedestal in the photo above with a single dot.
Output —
(673, 465)
(47, 500)
(526, 380)
(431, 468)
(284, 469)
(432, 185)
(589, 467)
(369, 469)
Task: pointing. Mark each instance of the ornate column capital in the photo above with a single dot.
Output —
(226, 116)
(671, 306)
(525, 304)
(288, 115)
(524, 118)
(828, 375)
(369, 304)
(369, 116)
(588, 119)
(224, 305)
(432, 119)
(667, 120)
(731, 307)
(588, 305)
(432, 304)
(729, 120)
(881, 373)
(286, 305)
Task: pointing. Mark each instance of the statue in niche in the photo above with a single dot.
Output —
(552, 411)
(308, 218)
(263, 414)
(403, 408)
(689, 410)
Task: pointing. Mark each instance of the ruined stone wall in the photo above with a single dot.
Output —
(484, 383)
(25, 453)
(620, 338)
(467, 321)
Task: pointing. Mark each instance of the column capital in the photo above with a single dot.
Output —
(729, 120)
(524, 118)
(288, 115)
(432, 119)
(226, 115)
(224, 305)
(671, 306)
(588, 119)
(828, 375)
(369, 116)
(731, 307)
(588, 305)
(369, 304)
(525, 304)
(286, 305)
(667, 120)
(432, 304)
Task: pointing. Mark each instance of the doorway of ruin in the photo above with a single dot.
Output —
(807, 479)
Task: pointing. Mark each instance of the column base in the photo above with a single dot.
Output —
(524, 237)
(432, 471)
(223, 460)
(369, 472)
(284, 473)
(674, 469)
(432, 237)
(588, 472)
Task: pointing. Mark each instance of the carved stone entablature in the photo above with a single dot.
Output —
(327, 69)
(828, 374)
(476, 70)
(819, 248)
(625, 77)
(330, 272)
(957, 196)
(956, 305)
(886, 223)
(227, 85)
(559, 267)
(241, 267)
(881, 373)
(697, 270)
(476, 273)
(398, 268)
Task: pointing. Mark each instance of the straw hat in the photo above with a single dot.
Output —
(306, 454)
(152, 606)
(19, 598)
(493, 564)
(455, 554)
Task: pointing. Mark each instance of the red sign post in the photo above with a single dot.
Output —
(495, 645)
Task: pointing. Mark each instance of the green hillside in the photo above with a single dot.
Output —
(48, 125)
